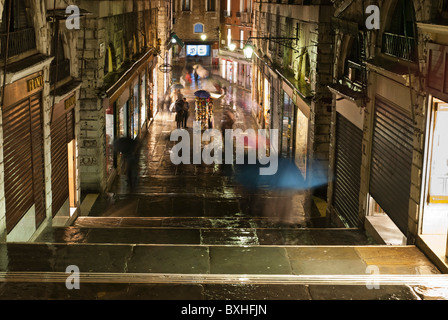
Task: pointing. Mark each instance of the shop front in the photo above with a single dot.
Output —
(434, 216)
(127, 112)
(294, 134)
(63, 157)
(23, 156)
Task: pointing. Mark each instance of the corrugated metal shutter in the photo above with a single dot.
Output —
(390, 177)
(38, 158)
(23, 161)
(59, 162)
(348, 161)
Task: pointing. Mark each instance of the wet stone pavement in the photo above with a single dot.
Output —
(191, 232)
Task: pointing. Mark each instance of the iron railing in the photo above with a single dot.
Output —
(399, 46)
(19, 42)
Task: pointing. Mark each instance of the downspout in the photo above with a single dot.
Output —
(8, 21)
(56, 49)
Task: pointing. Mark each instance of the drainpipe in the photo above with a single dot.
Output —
(8, 21)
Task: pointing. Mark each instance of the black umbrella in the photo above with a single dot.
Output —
(177, 86)
(125, 145)
(202, 94)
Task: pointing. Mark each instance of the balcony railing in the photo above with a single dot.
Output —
(399, 46)
(19, 42)
(63, 71)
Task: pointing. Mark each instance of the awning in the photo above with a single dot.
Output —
(62, 14)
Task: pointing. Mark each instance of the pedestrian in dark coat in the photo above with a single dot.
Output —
(186, 112)
(179, 113)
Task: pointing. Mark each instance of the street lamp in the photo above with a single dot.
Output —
(248, 50)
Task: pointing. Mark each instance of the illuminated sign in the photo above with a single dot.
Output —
(194, 50)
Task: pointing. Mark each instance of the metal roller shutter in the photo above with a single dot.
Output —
(23, 161)
(38, 158)
(348, 160)
(59, 163)
(390, 177)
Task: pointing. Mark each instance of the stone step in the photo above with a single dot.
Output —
(228, 235)
(180, 222)
(202, 260)
(52, 286)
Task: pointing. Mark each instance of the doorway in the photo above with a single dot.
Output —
(434, 219)
(71, 151)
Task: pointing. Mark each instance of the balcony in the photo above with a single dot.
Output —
(19, 42)
(400, 46)
(63, 71)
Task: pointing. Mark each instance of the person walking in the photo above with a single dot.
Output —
(186, 112)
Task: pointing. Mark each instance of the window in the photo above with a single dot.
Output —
(227, 12)
(198, 28)
(229, 37)
(186, 5)
(399, 40)
(241, 39)
(211, 5)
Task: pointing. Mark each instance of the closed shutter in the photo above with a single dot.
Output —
(38, 158)
(390, 177)
(348, 160)
(23, 161)
(59, 162)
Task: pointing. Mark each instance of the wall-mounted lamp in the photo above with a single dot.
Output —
(248, 50)
(203, 37)
(232, 47)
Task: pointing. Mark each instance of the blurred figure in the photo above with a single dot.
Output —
(185, 112)
(280, 188)
(128, 147)
(228, 121)
(179, 108)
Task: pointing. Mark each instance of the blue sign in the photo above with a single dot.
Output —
(198, 50)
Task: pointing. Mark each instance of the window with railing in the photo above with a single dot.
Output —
(354, 72)
(22, 37)
(399, 40)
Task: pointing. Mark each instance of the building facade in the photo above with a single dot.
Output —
(123, 63)
(388, 157)
(196, 23)
(39, 130)
(236, 28)
(292, 67)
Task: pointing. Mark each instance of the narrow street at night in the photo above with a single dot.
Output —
(203, 151)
